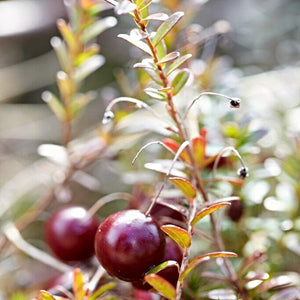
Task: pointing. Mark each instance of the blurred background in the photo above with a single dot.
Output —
(256, 55)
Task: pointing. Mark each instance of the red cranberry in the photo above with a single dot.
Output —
(235, 210)
(173, 252)
(70, 234)
(128, 244)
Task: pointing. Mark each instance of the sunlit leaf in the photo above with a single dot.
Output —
(175, 146)
(164, 287)
(161, 50)
(61, 52)
(141, 4)
(44, 295)
(139, 44)
(97, 28)
(55, 105)
(67, 34)
(124, 7)
(198, 148)
(185, 187)
(88, 67)
(206, 211)
(200, 259)
(146, 64)
(178, 234)
(154, 93)
(180, 80)
(103, 289)
(169, 57)
(158, 17)
(177, 63)
(88, 52)
(164, 265)
(78, 285)
(65, 85)
(166, 26)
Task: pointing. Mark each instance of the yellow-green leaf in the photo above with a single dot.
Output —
(55, 105)
(208, 210)
(163, 286)
(78, 285)
(44, 295)
(166, 26)
(178, 234)
(198, 148)
(199, 259)
(103, 289)
(162, 266)
(177, 63)
(180, 80)
(169, 57)
(184, 186)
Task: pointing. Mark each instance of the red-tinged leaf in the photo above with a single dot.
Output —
(44, 295)
(139, 44)
(175, 146)
(162, 266)
(103, 289)
(169, 57)
(185, 187)
(163, 286)
(198, 148)
(180, 80)
(78, 285)
(178, 234)
(177, 63)
(166, 26)
(208, 210)
(200, 259)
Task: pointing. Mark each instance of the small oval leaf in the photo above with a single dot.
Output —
(164, 265)
(208, 210)
(166, 26)
(157, 17)
(154, 93)
(200, 259)
(163, 286)
(78, 285)
(44, 295)
(175, 146)
(198, 148)
(180, 80)
(139, 44)
(169, 57)
(178, 234)
(185, 187)
(177, 63)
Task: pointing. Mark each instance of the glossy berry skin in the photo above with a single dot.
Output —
(173, 252)
(70, 235)
(128, 244)
(235, 210)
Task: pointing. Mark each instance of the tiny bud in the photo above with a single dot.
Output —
(235, 102)
(243, 172)
(108, 116)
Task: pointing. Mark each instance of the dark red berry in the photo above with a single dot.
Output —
(128, 244)
(70, 234)
(235, 210)
(165, 213)
(173, 252)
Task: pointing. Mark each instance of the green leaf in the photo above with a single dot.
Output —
(163, 286)
(55, 105)
(88, 67)
(154, 93)
(177, 63)
(139, 44)
(161, 49)
(169, 57)
(180, 80)
(166, 26)
(103, 289)
(44, 295)
(185, 187)
(208, 210)
(200, 259)
(61, 52)
(164, 265)
(141, 4)
(178, 234)
(78, 285)
(88, 53)
(154, 76)
(97, 28)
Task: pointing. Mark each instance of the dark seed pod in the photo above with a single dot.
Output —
(243, 172)
(235, 102)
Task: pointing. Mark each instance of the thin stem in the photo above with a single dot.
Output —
(14, 236)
